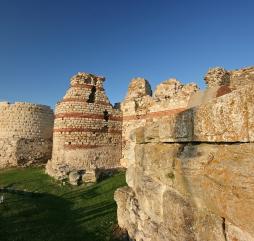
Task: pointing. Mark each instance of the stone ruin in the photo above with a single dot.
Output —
(189, 156)
(25, 134)
(87, 132)
(188, 153)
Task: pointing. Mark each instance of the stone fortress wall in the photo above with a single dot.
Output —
(25, 134)
(189, 165)
(188, 153)
(140, 106)
(87, 132)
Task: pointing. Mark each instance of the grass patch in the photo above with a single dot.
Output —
(42, 209)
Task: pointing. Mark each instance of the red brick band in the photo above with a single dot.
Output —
(85, 101)
(87, 86)
(83, 146)
(150, 115)
(81, 129)
(87, 115)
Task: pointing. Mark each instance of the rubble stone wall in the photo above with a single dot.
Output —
(25, 134)
(190, 172)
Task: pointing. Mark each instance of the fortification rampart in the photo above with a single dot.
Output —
(189, 168)
(25, 134)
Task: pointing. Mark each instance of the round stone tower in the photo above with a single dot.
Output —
(25, 134)
(87, 131)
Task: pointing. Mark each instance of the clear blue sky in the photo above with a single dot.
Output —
(44, 42)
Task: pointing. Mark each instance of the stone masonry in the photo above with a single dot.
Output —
(190, 161)
(87, 132)
(25, 134)
(140, 107)
(188, 153)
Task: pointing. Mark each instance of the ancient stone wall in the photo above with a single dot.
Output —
(25, 134)
(141, 107)
(190, 175)
(87, 131)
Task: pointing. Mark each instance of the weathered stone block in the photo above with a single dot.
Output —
(177, 127)
(74, 178)
(90, 176)
(224, 170)
(224, 119)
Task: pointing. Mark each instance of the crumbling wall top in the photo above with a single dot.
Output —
(234, 78)
(216, 77)
(87, 78)
(138, 87)
(172, 87)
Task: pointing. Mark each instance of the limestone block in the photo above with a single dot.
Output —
(121, 196)
(157, 160)
(177, 127)
(149, 193)
(228, 118)
(224, 119)
(183, 222)
(227, 172)
(235, 233)
(74, 178)
(172, 128)
(90, 176)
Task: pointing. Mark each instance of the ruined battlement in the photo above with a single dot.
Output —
(86, 78)
(234, 78)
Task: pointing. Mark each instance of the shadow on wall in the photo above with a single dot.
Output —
(184, 128)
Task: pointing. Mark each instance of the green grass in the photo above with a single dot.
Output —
(42, 209)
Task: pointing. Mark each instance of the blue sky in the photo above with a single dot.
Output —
(44, 42)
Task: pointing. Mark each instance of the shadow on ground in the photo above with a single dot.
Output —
(59, 213)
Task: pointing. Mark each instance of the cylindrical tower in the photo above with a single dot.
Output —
(25, 134)
(87, 130)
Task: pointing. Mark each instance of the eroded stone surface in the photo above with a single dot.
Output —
(189, 173)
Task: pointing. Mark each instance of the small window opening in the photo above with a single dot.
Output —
(91, 97)
(106, 115)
